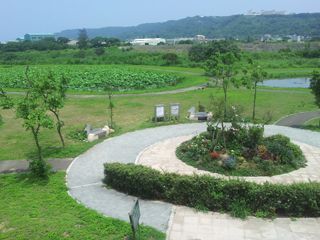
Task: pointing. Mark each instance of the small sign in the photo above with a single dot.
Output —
(175, 109)
(134, 217)
(159, 111)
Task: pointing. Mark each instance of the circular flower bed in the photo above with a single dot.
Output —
(241, 150)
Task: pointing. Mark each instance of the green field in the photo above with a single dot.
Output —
(33, 209)
(135, 112)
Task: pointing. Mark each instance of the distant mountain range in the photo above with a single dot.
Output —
(237, 26)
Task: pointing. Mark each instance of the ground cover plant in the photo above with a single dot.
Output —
(95, 77)
(237, 197)
(43, 210)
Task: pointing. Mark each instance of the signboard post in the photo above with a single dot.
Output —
(175, 110)
(159, 112)
(134, 216)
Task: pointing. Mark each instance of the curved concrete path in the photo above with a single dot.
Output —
(85, 174)
(297, 120)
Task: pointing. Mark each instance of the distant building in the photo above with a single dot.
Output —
(266, 13)
(200, 38)
(72, 42)
(37, 37)
(147, 41)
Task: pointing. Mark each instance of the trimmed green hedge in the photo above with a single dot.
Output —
(204, 192)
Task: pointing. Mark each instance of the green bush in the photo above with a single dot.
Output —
(285, 151)
(215, 194)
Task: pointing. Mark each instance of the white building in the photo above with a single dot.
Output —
(148, 41)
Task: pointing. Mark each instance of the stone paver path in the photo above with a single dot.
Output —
(162, 156)
(187, 224)
(85, 174)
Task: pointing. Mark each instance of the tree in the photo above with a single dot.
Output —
(223, 68)
(34, 115)
(203, 52)
(252, 77)
(33, 111)
(63, 40)
(315, 86)
(99, 51)
(83, 39)
(52, 90)
(170, 58)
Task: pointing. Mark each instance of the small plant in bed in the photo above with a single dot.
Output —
(241, 150)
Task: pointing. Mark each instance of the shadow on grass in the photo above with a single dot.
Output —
(312, 128)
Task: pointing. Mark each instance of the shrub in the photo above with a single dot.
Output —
(238, 197)
(284, 151)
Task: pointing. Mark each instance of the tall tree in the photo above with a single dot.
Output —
(83, 39)
(223, 68)
(32, 109)
(254, 75)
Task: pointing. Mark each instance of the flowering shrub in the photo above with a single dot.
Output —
(242, 150)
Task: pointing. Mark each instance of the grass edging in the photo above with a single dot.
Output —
(238, 197)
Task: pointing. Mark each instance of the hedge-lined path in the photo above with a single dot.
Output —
(85, 174)
(22, 165)
(297, 120)
(162, 157)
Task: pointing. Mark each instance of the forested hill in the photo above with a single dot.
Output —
(238, 26)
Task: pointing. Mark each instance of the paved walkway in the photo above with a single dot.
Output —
(187, 224)
(297, 120)
(22, 165)
(85, 174)
(162, 156)
(174, 91)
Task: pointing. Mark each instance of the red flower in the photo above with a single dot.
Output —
(215, 155)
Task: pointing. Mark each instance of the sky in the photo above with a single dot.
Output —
(18, 17)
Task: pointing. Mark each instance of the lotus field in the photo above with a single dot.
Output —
(91, 77)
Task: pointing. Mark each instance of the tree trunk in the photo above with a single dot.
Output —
(59, 126)
(254, 102)
(36, 139)
(225, 101)
(111, 110)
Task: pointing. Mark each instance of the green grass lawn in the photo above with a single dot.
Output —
(135, 112)
(34, 209)
(313, 124)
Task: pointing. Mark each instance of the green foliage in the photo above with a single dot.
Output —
(315, 86)
(51, 90)
(203, 52)
(238, 197)
(242, 151)
(78, 135)
(94, 77)
(171, 58)
(99, 51)
(34, 115)
(83, 39)
(284, 151)
(43, 210)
